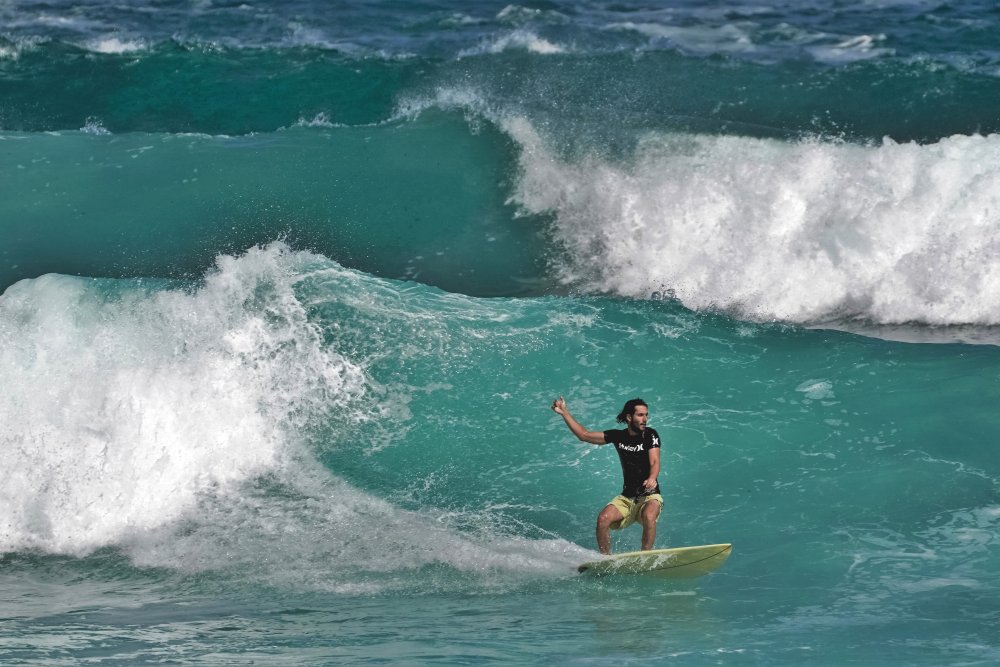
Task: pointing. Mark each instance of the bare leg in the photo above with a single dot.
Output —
(650, 513)
(609, 515)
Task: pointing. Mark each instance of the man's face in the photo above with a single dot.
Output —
(637, 421)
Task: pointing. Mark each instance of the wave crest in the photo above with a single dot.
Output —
(804, 232)
(132, 403)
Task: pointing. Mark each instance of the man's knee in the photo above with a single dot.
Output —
(651, 512)
(608, 516)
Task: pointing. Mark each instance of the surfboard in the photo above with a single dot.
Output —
(673, 563)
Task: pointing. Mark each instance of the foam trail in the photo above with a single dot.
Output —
(312, 531)
(124, 406)
(804, 232)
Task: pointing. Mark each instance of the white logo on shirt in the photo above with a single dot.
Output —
(638, 447)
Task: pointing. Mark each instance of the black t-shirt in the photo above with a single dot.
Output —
(633, 452)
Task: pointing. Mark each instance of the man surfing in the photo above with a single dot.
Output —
(638, 448)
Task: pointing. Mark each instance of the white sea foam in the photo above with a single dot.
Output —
(74, 23)
(759, 41)
(114, 44)
(806, 231)
(726, 38)
(520, 39)
(309, 36)
(462, 99)
(95, 126)
(850, 49)
(321, 119)
(460, 19)
(519, 15)
(816, 389)
(121, 413)
(12, 48)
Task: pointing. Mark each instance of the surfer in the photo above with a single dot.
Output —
(638, 448)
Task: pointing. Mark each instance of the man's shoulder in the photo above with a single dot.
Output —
(651, 436)
(615, 435)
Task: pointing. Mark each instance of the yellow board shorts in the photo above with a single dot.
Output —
(631, 508)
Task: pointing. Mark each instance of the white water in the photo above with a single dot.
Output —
(120, 410)
(807, 231)
(315, 532)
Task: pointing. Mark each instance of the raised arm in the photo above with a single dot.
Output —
(593, 437)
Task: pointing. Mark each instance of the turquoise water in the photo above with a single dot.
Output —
(288, 291)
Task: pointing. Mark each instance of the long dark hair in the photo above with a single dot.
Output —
(629, 408)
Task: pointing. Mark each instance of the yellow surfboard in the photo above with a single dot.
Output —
(673, 563)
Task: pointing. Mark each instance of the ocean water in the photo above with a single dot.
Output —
(288, 289)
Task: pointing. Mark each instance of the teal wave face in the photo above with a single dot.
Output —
(763, 425)
(410, 199)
